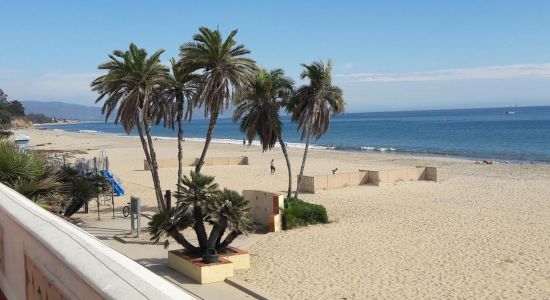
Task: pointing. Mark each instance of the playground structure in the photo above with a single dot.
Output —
(190, 162)
(311, 184)
(100, 165)
(118, 190)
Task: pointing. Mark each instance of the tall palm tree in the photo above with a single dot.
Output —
(260, 105)
(131, 84)
(180, 90)
(313, 104)
(223, 69)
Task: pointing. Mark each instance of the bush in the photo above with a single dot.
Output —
(39, 118)
(4, 134)
(301, 213)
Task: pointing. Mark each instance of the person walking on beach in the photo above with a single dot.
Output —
(272, 166)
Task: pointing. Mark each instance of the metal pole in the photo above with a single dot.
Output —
(138, 216)
(97, 187)
(112, 186)
(132, 209)
(113, 195)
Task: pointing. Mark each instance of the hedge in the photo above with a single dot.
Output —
(300, 213)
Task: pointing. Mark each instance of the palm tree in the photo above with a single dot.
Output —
(312, 105)
(180, 90)
(131, 84)
(227, 210)
(260, 105)
(199, 201)
(223, 69)
(194, 191)
(28, 173)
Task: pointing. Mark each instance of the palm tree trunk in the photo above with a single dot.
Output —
(180, 136)
(200, 230)
(160, 201)
(303, 164)
(219, 240)
(285, 153)
(211, 125)
(217, 229)
(229, 239)
(154, 166)
(180, 239)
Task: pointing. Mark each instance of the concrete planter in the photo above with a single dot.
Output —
(195, 269)
(239, 258)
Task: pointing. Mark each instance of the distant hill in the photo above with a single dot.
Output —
(64, 110)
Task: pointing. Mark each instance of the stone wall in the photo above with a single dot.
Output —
(44, 257)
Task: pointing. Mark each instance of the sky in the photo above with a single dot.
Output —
(388, 55)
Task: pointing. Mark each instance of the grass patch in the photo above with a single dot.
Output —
(300, 213)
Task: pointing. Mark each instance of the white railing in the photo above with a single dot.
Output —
(41, 253)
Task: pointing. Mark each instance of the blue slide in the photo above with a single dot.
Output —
(118, 189)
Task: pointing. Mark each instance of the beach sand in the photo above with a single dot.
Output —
(481, 231)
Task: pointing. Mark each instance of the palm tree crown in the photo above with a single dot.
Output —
(223, 67)
(313, 104)
(129, 83)
(259, 106)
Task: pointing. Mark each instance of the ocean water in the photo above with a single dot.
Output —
(471, 133)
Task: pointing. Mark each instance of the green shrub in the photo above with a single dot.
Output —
(301, 213)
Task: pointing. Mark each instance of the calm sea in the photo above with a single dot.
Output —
(472, 133)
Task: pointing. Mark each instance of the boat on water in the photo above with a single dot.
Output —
(510, 112)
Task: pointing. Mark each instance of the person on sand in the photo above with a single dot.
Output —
(272, 166)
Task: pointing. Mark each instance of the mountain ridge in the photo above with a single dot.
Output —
(63, 110)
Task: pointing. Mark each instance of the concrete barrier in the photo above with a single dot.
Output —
(44, 257)
(265, 208)
(405, 174)
(310, 184)
(190, 162)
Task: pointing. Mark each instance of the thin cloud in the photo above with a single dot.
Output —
(481, 73)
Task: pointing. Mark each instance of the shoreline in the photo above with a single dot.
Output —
(482, 229)
(313, 147)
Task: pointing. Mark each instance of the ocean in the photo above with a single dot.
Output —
(487, 133)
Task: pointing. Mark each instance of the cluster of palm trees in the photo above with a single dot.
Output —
(212, 73)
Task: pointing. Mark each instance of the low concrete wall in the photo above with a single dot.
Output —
(265, 208)
(189, 162)
(310, 184)
(406, 174)
(45, 257)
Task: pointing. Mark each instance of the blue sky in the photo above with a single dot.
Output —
(388, 55)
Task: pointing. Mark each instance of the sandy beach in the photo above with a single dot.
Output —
(481, 231)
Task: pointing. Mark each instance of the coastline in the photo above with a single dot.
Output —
(314, 147)
(481, 231)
